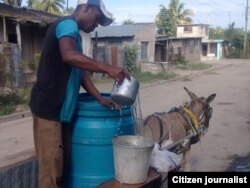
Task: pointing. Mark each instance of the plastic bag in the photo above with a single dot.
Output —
(163, 160)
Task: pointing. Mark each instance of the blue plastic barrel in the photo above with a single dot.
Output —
(93, 128)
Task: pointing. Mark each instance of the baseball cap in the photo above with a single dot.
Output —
(106, 17)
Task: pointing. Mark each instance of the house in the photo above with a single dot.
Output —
(155, 51)
(193, 30)
(110, 41)
(214, 49)
(211, 49)
(187, 44)
(172, 49)
(22, 31)
(192, 43)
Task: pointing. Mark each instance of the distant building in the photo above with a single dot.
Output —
(22, 31)
(109, 42)
(172, 49)
(211, 49)
(214, 49)
(193, 30)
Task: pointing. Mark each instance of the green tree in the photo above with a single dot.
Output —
(13, 2)
(50, 6)
(36, 4)
(235, 36)
(53, 6)
(68, 11)
(231, 32)
(168, 18)
(130, 57)
(165, 24)
(216, 33)
(31, 3)
(179, 14)
(128, 22)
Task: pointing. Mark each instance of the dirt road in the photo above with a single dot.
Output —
(229, 132)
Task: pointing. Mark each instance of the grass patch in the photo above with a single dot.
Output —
(9, 100)
(194, 66)
(148, 77)
(143, 77)
(6, 110)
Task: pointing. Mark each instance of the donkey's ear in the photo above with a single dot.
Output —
(210, 98)
(191, 94)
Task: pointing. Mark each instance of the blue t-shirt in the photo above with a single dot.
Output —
(69, 28)
(55, 93)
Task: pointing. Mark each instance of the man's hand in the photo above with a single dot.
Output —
(118, 73)
(109, 103)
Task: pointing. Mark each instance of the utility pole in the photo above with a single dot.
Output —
(245, 35)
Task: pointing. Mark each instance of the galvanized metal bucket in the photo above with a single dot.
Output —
(131, 158)
(126, 92)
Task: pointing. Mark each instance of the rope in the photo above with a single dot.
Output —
(194, 125)
(193, 118)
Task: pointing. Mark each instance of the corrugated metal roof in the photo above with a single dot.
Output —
(193, 25)
(118, 30)
(164, 38)
(213, 40)
(22, 14)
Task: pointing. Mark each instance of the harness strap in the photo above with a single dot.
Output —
(192, 116)
(194, 124)
(174, 109)
(157, 115)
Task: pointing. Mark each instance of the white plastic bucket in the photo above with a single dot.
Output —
(131, 158)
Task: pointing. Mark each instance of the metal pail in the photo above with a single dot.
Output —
(126, 92)
(131, 157)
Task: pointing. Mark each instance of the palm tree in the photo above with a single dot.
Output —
(30, 2)
(179, 14)
(53, 6)
(13, 2)
(168, 18)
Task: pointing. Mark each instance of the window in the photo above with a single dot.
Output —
(12, 38)
(144, 50)
(188, 29)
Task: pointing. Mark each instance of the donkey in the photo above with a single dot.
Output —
(181, 127)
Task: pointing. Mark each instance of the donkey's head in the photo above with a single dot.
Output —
(201, 108)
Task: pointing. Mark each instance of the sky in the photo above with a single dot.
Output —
(213, 12)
